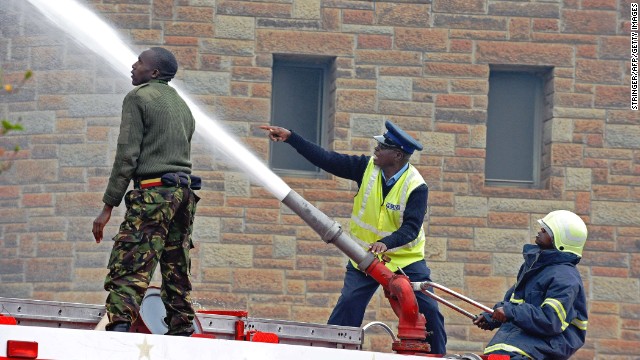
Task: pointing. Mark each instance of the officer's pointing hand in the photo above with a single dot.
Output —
(276, 133)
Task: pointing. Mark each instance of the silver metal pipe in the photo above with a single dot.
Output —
(423, 286)
(449, 304)
(329, 230)
(426, 284)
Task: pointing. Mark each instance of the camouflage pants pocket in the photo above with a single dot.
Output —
(131, 267)
(138, 252)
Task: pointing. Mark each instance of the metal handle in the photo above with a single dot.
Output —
(423, 286)
(382, 325)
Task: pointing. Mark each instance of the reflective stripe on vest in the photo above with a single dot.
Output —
(514, 300)
(580, 324)
(560, 311)
(373, 217)
(506, 347)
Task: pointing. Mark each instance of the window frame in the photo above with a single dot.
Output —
(326, 106)
(541, 114)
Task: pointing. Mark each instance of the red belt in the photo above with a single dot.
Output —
(150, 183)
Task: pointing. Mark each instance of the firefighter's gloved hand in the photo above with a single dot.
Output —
(485, 322)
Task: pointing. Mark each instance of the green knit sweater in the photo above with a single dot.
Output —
(155, 137)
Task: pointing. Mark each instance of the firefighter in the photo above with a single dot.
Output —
(154, 150)
(387, 216)
(544, 314)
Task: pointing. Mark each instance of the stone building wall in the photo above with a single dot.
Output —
(423, 64)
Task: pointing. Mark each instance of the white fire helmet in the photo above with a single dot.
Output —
(568, 231)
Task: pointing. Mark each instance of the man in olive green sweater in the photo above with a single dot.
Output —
(154, 150)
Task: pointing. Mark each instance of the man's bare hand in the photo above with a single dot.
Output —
(276, 133)
(377, 248)
(100, 222)
(499, 315)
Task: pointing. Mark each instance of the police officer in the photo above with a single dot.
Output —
(154, 150)
(387, 216)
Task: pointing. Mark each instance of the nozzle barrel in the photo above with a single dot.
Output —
(397, 288)
(330, 231)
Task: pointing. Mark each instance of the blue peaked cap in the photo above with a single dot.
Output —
(398, 138)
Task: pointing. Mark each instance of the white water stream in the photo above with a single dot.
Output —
(91, 31)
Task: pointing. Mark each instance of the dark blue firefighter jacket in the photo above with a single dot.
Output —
(546, 309)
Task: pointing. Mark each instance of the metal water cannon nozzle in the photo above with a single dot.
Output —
(398, 289)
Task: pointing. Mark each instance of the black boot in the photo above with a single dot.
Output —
(119, 327)
(181, 331)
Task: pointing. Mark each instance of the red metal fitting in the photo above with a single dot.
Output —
(411, 347)
(411, 323)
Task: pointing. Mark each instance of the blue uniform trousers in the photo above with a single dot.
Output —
(358, 289)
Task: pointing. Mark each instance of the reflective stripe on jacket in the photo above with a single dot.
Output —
(373, 217)
(546, 309)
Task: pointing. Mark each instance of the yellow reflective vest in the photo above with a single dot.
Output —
(374, 218)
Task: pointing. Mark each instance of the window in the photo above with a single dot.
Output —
(517, 111)
(302, 93)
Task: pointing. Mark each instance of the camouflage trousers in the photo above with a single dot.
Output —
(156, 229)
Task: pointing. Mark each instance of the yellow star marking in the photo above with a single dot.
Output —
(144, 349)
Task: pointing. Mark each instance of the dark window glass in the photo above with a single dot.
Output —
(513, 128)
(299, 92)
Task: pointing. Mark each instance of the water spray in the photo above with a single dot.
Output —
(91, 31)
